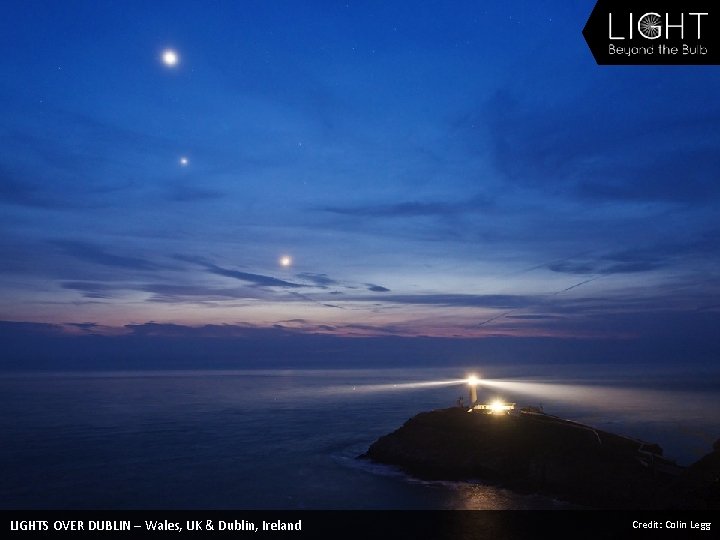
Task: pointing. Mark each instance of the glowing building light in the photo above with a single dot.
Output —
(497, 407)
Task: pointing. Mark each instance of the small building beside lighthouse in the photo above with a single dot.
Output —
(497, 407)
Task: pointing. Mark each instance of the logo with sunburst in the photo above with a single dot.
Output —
(654, 32)
(649, 26)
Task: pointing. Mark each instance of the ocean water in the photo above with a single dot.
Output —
(289, 439)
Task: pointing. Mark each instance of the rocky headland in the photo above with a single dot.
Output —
(529, 451)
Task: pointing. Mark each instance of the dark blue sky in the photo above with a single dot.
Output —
(434, 168)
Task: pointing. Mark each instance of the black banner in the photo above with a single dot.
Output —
(654, 32)
(350, 525)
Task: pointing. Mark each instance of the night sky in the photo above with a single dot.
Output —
(442, 169)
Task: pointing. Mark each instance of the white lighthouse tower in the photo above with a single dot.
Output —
(473, 381)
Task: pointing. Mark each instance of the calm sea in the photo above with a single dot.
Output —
(289, 439)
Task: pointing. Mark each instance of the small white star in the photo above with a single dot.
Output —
(184, 161)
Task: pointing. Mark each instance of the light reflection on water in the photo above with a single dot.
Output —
(289, 438)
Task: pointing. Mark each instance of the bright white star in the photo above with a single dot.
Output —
(170, 57)
(184, 161)
(285, 260)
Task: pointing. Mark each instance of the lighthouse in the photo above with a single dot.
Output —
(473, 381)
(496, 407)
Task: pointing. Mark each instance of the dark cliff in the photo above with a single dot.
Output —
(543, 453)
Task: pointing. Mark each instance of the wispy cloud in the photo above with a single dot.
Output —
(167, 293)
(625, 262)
(258, 280)
(376, 288)
(322, 280)
(497, 301)
(93, 253)
(411, 208)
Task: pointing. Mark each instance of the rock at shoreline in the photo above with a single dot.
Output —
(541, 453)
(703, 479)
